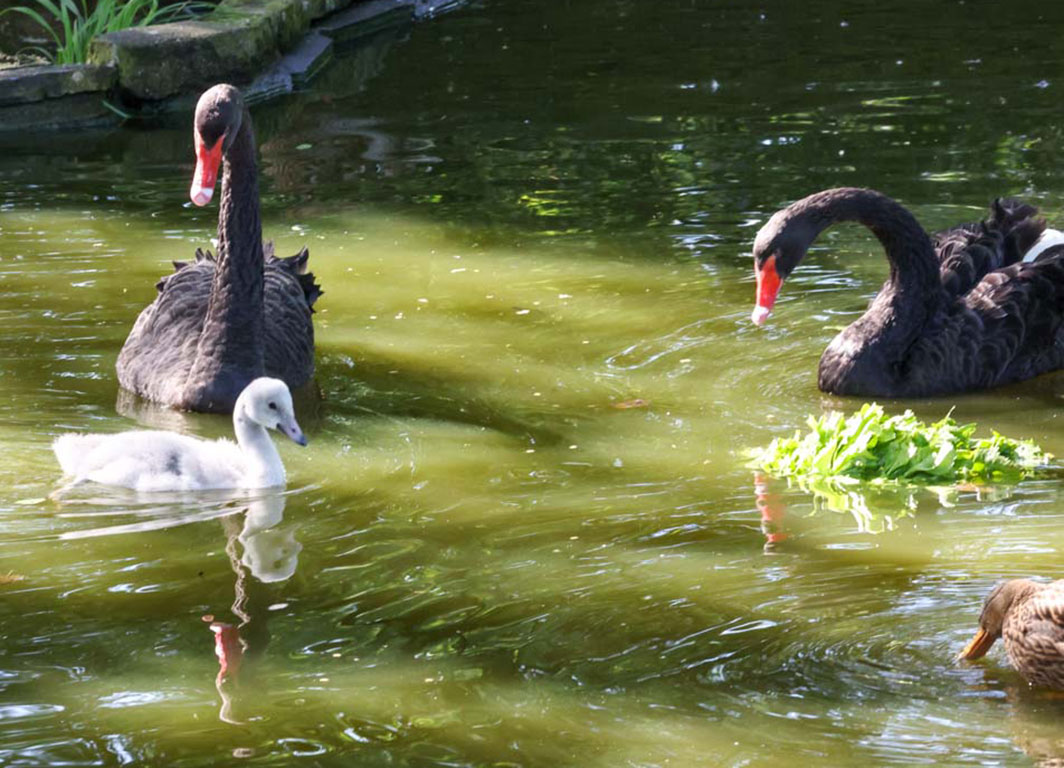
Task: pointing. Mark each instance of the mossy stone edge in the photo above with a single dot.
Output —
(144, 67)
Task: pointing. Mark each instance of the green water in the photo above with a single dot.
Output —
(523, 533)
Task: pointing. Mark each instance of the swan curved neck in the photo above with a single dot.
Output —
(239, 224)
(230, 350)
(264, 467)
(869, 355)
(913, 267)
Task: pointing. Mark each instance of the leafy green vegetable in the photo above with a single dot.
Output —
(871, 465)
(79, 24)
(871, 446)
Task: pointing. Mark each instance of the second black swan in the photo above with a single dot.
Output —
(972, 307)
(223, 320)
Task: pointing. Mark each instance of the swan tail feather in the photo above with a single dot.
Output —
(969, 252)
(297, 267)
(311, 290)
(1019, 223)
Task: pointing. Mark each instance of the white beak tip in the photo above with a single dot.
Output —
(760, 315)
(200, 195)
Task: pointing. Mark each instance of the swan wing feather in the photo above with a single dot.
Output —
(969, 252)
(151, 460)
(1008, 328)
(1034, 637)
(161, 349)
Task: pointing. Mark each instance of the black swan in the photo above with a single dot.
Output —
(221, 321)
(975, 306)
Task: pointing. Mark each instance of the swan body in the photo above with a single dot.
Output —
(962, 309)
(224, 319)
(167, 461)
(1030, 616)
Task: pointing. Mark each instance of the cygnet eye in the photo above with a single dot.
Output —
(273, 406)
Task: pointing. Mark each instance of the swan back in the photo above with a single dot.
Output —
(151, 461)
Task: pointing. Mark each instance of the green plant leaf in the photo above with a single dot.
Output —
(79, 25)
(869, 445)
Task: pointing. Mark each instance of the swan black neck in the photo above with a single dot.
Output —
(913, 268)
(239, 224)
(230, 350)
(869, 356)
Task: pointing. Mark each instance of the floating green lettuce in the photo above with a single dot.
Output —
(871, 446)
(873, 466)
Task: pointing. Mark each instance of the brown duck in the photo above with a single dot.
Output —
(1030, 616)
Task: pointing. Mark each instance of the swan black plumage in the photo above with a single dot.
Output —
(220, 322)
(961, 310)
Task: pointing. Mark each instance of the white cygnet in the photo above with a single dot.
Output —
(167, 461)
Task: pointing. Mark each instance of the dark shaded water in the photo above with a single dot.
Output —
(526, 216)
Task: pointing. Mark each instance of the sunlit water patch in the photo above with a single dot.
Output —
(524, 531)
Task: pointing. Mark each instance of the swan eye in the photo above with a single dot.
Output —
(273, 406)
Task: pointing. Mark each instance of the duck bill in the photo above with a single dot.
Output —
(978, 646)
(208, 159)
(768, 288)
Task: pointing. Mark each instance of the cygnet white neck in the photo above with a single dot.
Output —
(264, 467)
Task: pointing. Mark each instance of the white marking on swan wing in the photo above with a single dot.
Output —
(1049, 238)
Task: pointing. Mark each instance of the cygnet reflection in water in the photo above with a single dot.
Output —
(271, 553)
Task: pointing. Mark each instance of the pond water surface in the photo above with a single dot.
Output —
(523, 533)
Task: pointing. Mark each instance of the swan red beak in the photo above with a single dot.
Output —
(207, 162)
(768, 287)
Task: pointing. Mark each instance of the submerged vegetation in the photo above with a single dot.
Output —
(72, 24)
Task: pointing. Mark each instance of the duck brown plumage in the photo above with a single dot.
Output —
(1030, 617)
(960, 310)
(223, 320)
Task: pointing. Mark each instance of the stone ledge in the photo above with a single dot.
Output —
(367, 17)
(74, 110)
(262, 45)
(31, 84)
(157, 62)
(232, 43)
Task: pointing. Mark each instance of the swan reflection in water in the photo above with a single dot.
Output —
(1034, 725)
(261, 553)
(873, 508)
(772, 509)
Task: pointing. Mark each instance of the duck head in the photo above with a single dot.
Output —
(995, 608)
